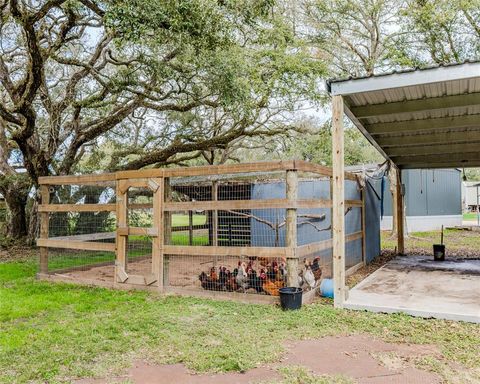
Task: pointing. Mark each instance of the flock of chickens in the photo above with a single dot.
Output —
(272, 277)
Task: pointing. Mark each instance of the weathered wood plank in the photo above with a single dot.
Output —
(44, 228)
(76, 208)
(291, 183)
(80, 245)
(228, 251)
(77, 179)
(87, 236)
(338, 197)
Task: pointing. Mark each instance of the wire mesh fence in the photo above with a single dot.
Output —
(226, 232)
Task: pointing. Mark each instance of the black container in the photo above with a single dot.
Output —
(290, 298)
(439, 252)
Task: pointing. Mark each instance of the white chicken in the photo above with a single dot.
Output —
(308, 275)
(242, 277)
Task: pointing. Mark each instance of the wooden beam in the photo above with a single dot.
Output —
(417, 105)
(338, 199)
(77, 179)
(167, 232)
(230, 205)
(76, 207)
(226, 205)
(87, 236)
(433, 149)
(44, 227)
(122, 222)
(139, 231)
(201, 250)
(400, 214)
(291, 227)
(450, 122)
(456, 158)
(434, 138)
(159, 243)
(81, 245)
(364, 226)
(447, 164)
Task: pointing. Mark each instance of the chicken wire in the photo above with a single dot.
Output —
(72, 226)
(246, 275)
(259, 227)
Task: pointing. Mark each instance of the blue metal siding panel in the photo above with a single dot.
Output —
(262, 235)
(444, 195)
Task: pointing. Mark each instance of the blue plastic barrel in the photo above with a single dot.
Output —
(326, 288)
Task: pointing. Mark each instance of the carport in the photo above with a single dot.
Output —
(420, 119)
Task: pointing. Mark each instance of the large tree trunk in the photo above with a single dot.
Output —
(15, 189)
(16, 203)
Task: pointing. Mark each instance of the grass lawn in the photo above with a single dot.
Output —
(457, 242)
(181, 220)
(470, 216)
(55, 332)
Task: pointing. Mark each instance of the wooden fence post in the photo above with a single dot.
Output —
(400, 215)
(121, 240)
(338, 202)
(44, 227)
(291, 228)
(167, 230)
(157, 241)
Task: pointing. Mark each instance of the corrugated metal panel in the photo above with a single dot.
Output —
(429, 192)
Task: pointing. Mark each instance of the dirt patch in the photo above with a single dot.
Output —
(360, 358)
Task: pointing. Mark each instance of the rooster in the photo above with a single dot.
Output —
(242, 278)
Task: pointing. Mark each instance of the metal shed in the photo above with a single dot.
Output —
(433, 197)
(418, 119)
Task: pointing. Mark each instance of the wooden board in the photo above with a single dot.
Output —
(87, 236)
(338, 197)
(81, 245)
(44, 228)
(76, 207)
(77, 179)
(228, 251)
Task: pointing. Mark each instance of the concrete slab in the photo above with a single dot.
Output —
(420, 286)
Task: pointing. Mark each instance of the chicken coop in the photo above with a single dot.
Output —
(239, 231)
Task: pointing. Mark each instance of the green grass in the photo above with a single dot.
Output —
(180, 220)
(470, 216)
(456, 241)
(55, 332)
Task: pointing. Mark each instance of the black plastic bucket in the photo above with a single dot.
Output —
(290, 297)
(439, 252)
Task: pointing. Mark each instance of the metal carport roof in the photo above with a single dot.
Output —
(422, 118)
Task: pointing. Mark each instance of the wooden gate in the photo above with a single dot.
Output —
(122, 275)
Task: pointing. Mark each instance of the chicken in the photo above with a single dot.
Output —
(242, 277)
(308, 276)
(317, 271)
(222, 275)
(207, 282)
(300, 279)
(230, 283)
(254, 281)
(271, 286)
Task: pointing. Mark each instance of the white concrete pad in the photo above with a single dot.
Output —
(420, 286)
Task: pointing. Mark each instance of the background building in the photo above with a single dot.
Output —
(433, 197)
